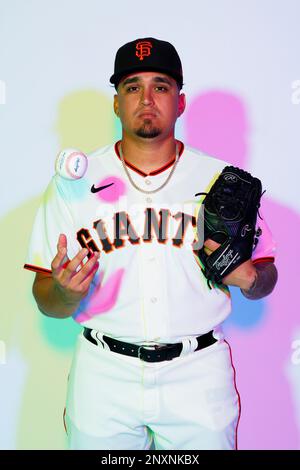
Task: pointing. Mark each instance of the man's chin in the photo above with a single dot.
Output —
(148, 133)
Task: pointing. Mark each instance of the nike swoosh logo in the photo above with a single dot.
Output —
(96, 190)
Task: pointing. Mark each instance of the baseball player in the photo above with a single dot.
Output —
(117, 250)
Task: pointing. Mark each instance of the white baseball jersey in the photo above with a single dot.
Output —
(149, 285)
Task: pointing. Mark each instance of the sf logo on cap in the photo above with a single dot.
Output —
(143, 49)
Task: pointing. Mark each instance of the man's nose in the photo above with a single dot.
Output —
(147, 96)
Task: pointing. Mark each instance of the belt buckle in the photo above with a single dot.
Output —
(139, 353)
(157, 348)
(151, 348)
(165, 350)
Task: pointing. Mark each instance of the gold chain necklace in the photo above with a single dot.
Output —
(153, 190)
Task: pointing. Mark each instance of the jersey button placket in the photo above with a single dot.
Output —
(151, 281)
(148, 184)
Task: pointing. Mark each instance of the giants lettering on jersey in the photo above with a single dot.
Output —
(155, 226)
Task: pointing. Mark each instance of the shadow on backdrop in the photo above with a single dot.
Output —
(260, 332)
(39, 349)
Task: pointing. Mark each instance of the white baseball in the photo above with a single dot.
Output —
(71, 164)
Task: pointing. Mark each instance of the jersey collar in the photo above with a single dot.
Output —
(154, 172)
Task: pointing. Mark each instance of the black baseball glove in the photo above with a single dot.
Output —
(230, 213)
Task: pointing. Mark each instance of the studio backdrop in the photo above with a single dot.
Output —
(242, 81)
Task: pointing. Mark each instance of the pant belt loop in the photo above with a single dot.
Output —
(194, 343)
(98, 337)
(188, 345)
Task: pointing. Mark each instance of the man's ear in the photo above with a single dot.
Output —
(181, 104)
(116, 105)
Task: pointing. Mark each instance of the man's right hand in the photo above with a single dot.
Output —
(59, 293)
(71, 283)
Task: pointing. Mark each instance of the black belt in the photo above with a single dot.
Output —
(158, 354)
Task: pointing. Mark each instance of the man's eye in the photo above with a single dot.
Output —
(132, 88)
(161, 88)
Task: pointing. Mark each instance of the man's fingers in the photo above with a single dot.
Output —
(62, 242)
(69, 277)
(84, 286)
(58, 259)
(211, 245)
(85, 270)
(72, 266)
(61, 253)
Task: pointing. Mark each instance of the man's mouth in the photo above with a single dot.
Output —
(146, 114)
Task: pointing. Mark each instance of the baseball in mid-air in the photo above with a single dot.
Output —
(71, 164)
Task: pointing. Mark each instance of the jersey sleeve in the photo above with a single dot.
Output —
(53, 218)
(265, 248)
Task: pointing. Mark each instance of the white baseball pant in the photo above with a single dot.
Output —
(119, 402)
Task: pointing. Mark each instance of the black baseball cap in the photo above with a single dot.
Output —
(147, 54)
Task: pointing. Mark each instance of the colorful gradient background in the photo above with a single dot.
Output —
(241, 71)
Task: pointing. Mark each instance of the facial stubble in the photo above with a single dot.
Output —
(147, 130)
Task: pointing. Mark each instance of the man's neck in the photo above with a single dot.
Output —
(150, 155)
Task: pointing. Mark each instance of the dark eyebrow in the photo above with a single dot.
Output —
(157, 79)
(162, 80)
(130, 80)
